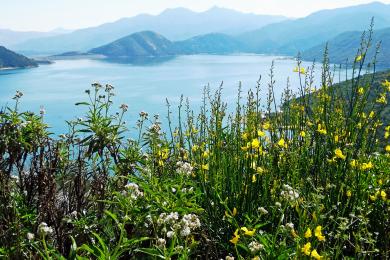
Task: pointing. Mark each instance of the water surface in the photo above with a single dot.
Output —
(59, 86)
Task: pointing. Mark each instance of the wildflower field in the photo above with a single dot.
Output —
(306, 177)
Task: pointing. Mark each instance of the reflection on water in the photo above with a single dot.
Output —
(140, 61)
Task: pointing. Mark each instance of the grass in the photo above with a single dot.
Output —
(307, 179)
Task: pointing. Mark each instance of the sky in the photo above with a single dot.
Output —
(46, 15)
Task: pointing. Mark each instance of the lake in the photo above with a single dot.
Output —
(144, 87)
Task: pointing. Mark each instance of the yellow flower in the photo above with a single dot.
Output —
(359, 58)
(372, 197)
(195, 148)
(339, 154)
(315, 255)
(353, 163)
(244, 136)
(255, 144)
(383, 195)
(361, 91)
(260, 133)
(236, 237)
(308, 233)
(234, 212)
(387, 148)
(260, 170)
(306, 248)
(321, 130)
(349, 193)
(386, 84)
(254, 178)
(205, 167)
(366, 166)
(382, 99)
(318, 233)
(300, 70)
(266, 126)
(281, 142)
(336, 138)
(387, 134)
(302, 134)
(372, 114)
(248, 232)
(206, 154)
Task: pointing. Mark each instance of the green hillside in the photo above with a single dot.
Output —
(10, 59)
(344, 47)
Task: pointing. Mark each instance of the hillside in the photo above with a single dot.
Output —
(345, 45)
(151, 44)
(213, 43)
(291, 36)
(145, 44)
(191, 24)
(10, 59)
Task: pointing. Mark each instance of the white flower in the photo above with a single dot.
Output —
(134, 191)
(30, 236)
(228, 257)
(186, 231)
(255, 247)
(173, 190)
(262, 210)
(278, 204)
(44, 229)
(170, 234)
(290, 225)
(161, 242)
(184, 168)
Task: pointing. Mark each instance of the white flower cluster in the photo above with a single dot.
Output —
(262, 210)
(289, 193)
(133, 190)
(255, 247)
(44, 229)
(174, 225)
(184, 168)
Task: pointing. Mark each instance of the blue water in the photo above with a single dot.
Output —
(57, 87)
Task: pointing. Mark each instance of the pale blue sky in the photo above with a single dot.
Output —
(44, 15)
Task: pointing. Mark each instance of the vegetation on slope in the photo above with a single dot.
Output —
(10, 59)
(308, 181)
(342, 48)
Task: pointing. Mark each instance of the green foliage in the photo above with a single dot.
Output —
(306, 177)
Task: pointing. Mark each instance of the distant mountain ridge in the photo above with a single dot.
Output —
(176, 24)
(343, 48)
(12, 60)
(291, 36)
(11, 37)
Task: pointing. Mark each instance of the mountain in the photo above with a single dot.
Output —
(151, 44)
(142, 44)
(176, 24)
(291, 36)
(10, 59)
(345, 46)
(10, 37)
(212, 43)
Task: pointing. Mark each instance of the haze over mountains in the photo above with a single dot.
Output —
(222, 31)
(175, 24)
(290, 37)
